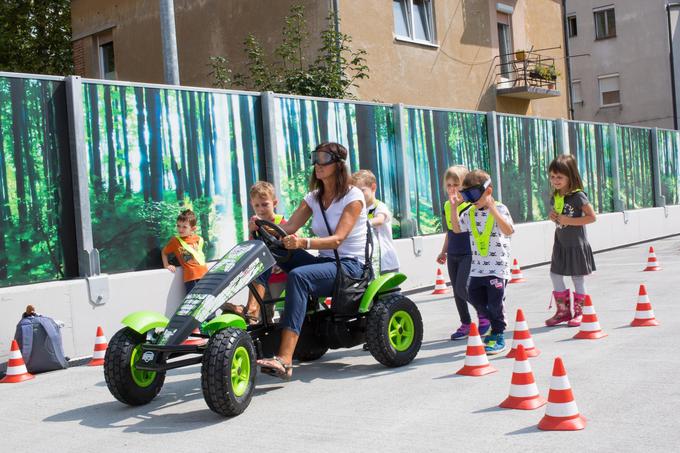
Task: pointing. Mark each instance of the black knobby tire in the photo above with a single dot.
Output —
(118, 370)
(216, 371)
(378, 327)
(310, 346)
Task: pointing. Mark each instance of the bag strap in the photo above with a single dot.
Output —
(368, 251)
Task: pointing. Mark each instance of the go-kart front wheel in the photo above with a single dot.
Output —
(394, 330)
(128, 384)
(228, 372)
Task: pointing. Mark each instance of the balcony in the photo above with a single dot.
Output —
(526, 75)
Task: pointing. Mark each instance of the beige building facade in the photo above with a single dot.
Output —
(457, 54)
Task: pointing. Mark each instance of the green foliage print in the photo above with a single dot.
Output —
(635, 167)
(668, 144)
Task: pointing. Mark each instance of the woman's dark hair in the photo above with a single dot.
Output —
(342, 176)
(565, 164)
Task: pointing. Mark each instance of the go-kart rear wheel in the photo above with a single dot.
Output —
(228, 372)
(128, 384)
(394, 330)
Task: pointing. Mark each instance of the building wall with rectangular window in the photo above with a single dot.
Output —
(634, 46)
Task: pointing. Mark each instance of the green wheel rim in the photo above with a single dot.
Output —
(141, 377)
(240, 371)
(401, 330)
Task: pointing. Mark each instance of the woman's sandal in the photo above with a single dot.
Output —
(276, 367)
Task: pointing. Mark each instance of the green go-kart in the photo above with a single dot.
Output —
(139, 354)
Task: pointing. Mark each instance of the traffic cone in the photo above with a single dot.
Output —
(652, 263)
(440, 283)
(195, 338)
(16, 368)
(644, 315)
(100, 345)
(561, 413)
(590, 326)
(476, 361)
(516, 273)
(523, 391)
(522, 337)
(327, 302)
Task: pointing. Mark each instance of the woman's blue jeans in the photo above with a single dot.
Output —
(309, 274)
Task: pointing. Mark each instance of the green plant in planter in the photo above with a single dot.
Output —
(545, 72)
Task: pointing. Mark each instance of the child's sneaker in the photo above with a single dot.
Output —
(484, 326)
(495, 344)
(462, 332)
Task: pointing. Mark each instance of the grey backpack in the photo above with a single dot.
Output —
(39, 338)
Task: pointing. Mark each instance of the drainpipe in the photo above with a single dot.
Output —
(567, 59)
(169, 40)
(670, 45)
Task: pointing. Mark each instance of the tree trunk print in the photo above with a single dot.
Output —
(153, 111)
(96, 167)
(126, 146)
(18, 126)
(141, 142)
(432, 163)
(111, 148)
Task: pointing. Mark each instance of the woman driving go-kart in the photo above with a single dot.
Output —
(343, 231)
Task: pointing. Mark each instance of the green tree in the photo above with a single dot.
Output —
(35, 36)
(333, 73)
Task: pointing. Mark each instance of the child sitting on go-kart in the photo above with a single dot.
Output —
(263, 201)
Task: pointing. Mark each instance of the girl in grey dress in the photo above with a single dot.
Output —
(572, 255)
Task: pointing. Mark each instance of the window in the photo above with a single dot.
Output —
(571, 26)
(505, 43)
(107, 62)
(605, 23)
(609, 90)
(576, 96)
(413, 20)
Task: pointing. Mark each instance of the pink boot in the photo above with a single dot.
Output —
(579, 299)
(563, 313)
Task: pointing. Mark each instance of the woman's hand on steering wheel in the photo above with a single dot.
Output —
(292, 242)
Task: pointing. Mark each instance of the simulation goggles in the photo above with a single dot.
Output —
(324, 158)
(474, 193)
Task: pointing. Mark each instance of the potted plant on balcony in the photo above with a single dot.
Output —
(520, 55)
(547, 72)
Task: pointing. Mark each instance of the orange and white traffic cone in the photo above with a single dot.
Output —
(100, 345)
(440, 283)
(327, 302)
(516, 273)
(16, 368)
(195, 338)
(561, 413)
(522, 337)
(590, 327)
(523, 391)
(476, 361)
(644, 315)
(652, 263)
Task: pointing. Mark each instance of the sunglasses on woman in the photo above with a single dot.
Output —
(324, 158)
(474, 193)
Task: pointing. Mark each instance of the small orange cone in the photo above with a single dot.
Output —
(590, 326)
(561, 413)
(16, 368)
(100, 345)
(644, 315)
(476, 361)
(652, 263)
(522, 337)
(516, 273)
(195, 338)
(440, 283)
(523, 391)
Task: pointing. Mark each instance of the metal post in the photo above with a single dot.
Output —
(409, 226)
(618, 202)
(271, 152)
(659, 200)
(169, 40)
(562, 130)
(88, 256)
(494, 154)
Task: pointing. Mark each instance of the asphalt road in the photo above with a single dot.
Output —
(625, 385)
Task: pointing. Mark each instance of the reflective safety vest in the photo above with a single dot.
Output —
(481, 239)
(198, 254)
(371, 211)
(559, 201)
(447, 211)
(278, 218)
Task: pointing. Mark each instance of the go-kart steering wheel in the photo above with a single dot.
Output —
(273, 243)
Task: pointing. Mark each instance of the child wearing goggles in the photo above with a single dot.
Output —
(490, 226)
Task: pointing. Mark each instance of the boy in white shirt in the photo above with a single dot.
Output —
(380, 217)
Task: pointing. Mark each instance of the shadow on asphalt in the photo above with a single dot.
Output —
(527, 430)
(491, 409)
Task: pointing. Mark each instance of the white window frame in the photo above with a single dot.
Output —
(569, 18)
(604, 9)
(599, 89)
(580, 91)
(410, 25)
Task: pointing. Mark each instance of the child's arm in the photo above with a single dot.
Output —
(441, 258)
(379, 219)
(587, 217)
(455, 218)
(503, 224)
(167, 265)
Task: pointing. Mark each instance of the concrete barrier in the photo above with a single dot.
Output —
(159, 290)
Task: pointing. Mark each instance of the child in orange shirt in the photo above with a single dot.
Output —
(187, 246)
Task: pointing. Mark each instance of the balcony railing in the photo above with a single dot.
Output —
(526, 75)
